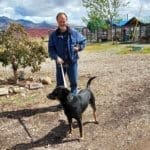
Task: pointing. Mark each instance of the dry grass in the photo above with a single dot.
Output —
(101, 47)
(117, 48)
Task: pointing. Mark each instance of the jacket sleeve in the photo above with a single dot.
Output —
(51, 47)
(81, 41)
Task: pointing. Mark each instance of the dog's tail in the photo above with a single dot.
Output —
(89, 81)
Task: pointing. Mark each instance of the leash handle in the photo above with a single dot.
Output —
(62, 71)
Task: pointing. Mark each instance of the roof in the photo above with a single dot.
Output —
(120, 24)
(131, 22)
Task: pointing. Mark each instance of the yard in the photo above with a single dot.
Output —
(122, 91)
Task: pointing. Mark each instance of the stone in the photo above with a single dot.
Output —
(10, 90)
(16, 89)
(4, 91)
(46, 80)
(35, 85)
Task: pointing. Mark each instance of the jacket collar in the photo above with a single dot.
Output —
(68, 30)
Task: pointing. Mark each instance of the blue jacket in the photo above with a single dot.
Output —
(74, 38)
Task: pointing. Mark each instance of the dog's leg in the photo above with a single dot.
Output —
(94, 115)
(80, 128)
(92, 102)
(70, 125)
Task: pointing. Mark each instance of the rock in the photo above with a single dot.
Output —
(46, 80)
(4, 91)
(10, 90)
(35, 85)
(16, 89)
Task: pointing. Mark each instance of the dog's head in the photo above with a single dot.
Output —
(58, 93)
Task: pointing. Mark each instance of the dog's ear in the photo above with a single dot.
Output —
(58, 93)
(65, 92)
(51, 96)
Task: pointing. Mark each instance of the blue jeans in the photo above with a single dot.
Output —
(71, 70)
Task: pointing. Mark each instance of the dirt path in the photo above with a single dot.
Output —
(122, 91)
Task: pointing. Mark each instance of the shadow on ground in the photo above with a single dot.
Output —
(28, 112)
(55, 136)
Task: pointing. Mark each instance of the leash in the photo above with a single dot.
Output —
(62, 71)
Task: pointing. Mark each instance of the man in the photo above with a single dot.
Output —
(64, 45)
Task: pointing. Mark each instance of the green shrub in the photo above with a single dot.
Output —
(18, 50)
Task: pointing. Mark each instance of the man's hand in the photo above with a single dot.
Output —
(59, 60)
(76, 48)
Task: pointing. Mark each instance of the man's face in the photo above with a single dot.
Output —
(62, 22)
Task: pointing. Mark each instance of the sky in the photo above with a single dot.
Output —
(46, 10)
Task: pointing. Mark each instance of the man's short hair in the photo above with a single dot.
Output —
(61, 13)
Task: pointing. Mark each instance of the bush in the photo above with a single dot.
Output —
(19, 51)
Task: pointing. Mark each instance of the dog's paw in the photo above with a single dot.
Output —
(91, 121)
(69, 134)
(81, 139)
(96, 122)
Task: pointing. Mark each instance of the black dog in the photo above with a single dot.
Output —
(74, 106)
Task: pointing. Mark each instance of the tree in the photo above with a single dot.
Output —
(94, 24)
(19, 51)
(106, 10)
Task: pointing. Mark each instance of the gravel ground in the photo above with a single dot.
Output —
(122, 91)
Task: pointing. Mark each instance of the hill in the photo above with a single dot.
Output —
(5, 21)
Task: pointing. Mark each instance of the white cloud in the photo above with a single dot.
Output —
(137, 8)
(46, 10)
(43, 10)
